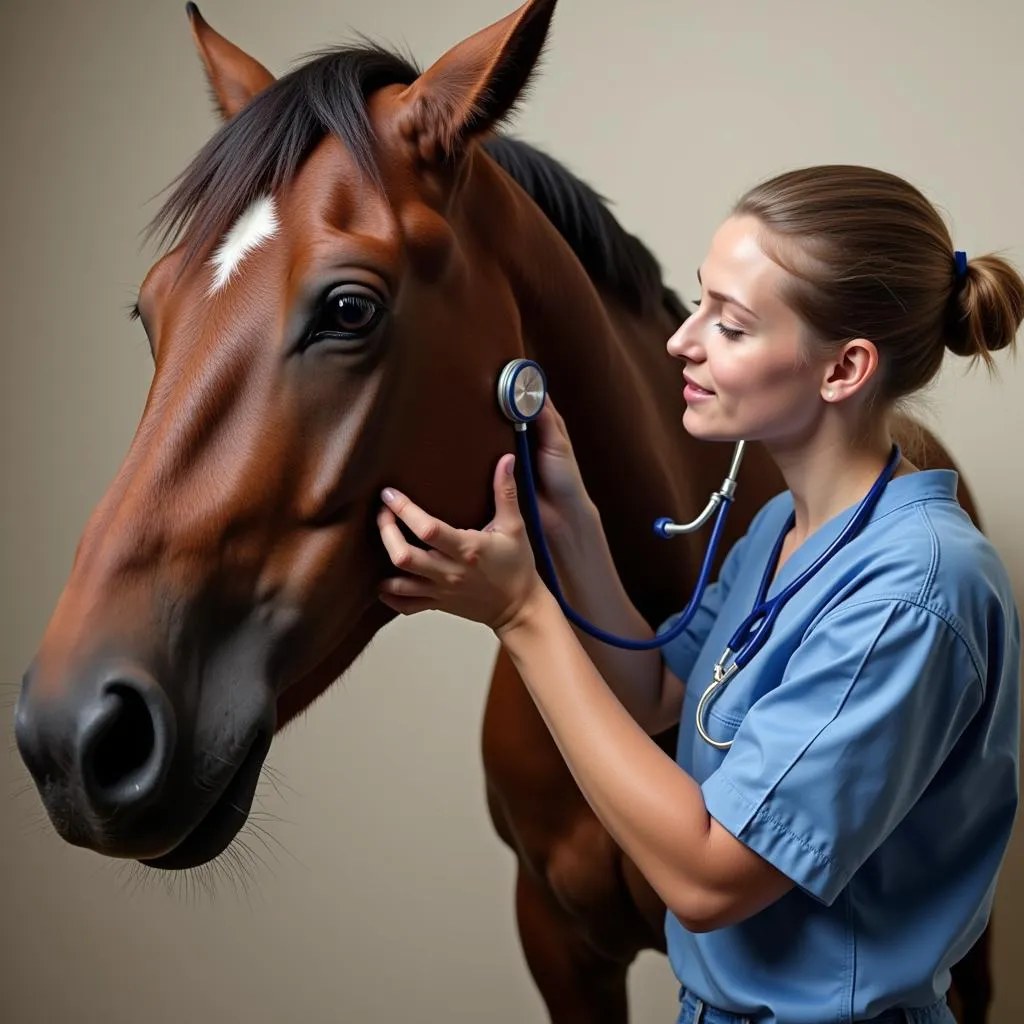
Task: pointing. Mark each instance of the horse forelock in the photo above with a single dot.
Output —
(221, 199)
(263, 147)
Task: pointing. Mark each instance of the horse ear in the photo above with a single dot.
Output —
(234, 77)
(477, 83)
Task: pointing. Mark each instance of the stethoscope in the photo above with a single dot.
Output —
(522, 390)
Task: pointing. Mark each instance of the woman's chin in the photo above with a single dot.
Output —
(705, 428)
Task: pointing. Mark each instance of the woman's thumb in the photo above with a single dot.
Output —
(506, 496)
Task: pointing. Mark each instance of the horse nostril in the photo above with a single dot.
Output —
(125, 745)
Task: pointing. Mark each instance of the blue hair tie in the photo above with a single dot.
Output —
(961, 265)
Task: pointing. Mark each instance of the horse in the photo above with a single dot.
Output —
(347, 265)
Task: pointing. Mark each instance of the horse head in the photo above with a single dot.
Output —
(326, 318)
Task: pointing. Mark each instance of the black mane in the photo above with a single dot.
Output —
(609, 254)
(262, 148)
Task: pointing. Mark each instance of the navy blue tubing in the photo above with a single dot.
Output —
(659, 640)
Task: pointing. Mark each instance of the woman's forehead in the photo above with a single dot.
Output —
(737, 264)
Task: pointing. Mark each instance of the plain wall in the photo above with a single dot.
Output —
(378, 891)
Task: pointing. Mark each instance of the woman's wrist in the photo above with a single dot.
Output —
(528, 616)
(577, 537)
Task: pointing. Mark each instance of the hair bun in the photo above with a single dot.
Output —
(987, 308)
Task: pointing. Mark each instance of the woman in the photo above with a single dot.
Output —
(830, 845)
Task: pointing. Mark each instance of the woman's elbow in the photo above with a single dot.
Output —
(700, 911)
(708, 909)
(698, 923)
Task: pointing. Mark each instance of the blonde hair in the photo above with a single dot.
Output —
(871, 258)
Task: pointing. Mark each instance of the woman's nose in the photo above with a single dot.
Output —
(685, 343)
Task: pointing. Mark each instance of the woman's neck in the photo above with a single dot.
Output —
(831, 471)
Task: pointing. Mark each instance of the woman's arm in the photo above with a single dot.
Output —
(591, 584)
(652, 808)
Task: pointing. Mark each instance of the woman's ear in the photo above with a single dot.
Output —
(854, 366)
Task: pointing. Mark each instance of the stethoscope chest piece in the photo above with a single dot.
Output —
(522, 388)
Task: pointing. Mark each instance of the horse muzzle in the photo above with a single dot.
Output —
(114, 777)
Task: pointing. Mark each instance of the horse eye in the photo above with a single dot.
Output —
(347, 315)
(352, 312)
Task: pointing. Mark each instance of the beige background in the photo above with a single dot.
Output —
(385, 896)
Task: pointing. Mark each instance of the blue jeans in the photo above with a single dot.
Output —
(695, 1011)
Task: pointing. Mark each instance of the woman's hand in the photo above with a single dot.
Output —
(486, 575)
(562, 498)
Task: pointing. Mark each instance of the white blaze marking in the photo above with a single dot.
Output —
(257, 224)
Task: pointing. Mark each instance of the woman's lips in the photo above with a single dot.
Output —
(693, 392)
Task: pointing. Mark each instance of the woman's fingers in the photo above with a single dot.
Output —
(431, 565)
(407, 605)
(408, 587)
(551, 430)
(431, 531)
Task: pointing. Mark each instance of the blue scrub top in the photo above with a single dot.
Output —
(874, 758)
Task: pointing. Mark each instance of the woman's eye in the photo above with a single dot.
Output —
(731, 333)
(347, 315)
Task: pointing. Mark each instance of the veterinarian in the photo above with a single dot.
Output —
(828, 838)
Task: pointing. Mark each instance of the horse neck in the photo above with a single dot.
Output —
(620, 394)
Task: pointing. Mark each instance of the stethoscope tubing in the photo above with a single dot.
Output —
(753, 632)
(660, 639)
